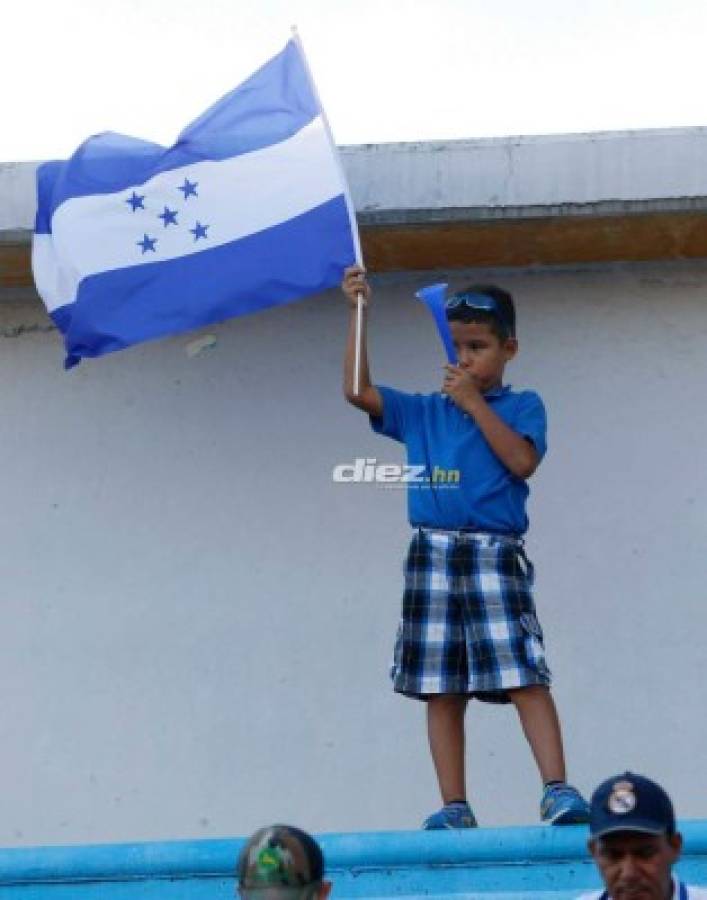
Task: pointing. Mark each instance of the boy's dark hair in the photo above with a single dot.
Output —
(502, 322)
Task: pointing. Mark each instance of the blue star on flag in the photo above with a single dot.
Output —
(189, 188)
(147, 243)
(199, 231)
(169, 216)
(136, 201)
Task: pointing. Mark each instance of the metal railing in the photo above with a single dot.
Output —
(500, 863)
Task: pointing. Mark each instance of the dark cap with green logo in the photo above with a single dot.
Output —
(279, 856)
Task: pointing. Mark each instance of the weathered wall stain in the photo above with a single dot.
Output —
(15, 331)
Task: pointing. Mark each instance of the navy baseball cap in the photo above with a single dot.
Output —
(630, 802)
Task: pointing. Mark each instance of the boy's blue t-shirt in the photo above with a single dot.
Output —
(445, 440)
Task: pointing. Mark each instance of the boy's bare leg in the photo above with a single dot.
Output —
(541, 725)
(445, 729)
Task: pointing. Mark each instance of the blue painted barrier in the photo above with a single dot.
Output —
(485, 864)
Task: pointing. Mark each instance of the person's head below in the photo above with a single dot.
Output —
(633, 838)
(482, 321)
(281, 862)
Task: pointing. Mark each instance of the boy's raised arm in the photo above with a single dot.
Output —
(368, 398)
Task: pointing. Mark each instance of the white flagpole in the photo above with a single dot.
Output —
(357, 352)
(352, 215)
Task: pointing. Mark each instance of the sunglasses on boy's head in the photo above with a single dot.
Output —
(473, 301)
(482, 302)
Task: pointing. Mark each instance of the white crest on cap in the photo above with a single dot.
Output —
(622, 799)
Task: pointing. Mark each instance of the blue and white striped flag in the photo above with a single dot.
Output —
(248, 209)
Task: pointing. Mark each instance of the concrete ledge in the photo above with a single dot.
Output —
(18, 196)
(486, 863)
(606, 208)
(538, 170)
(538, 200)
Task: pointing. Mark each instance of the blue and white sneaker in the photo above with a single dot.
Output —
(562, 804)
(453, 815)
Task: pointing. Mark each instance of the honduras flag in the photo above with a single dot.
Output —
(249, 209)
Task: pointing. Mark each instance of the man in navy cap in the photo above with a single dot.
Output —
(634, 842)
(281, 862)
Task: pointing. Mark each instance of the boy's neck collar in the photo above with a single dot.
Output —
(498, 390)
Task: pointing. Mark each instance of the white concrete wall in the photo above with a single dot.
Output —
(197, 623)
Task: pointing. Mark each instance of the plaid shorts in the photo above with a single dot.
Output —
(468, 623)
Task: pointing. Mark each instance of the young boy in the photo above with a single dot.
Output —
(468, 626)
